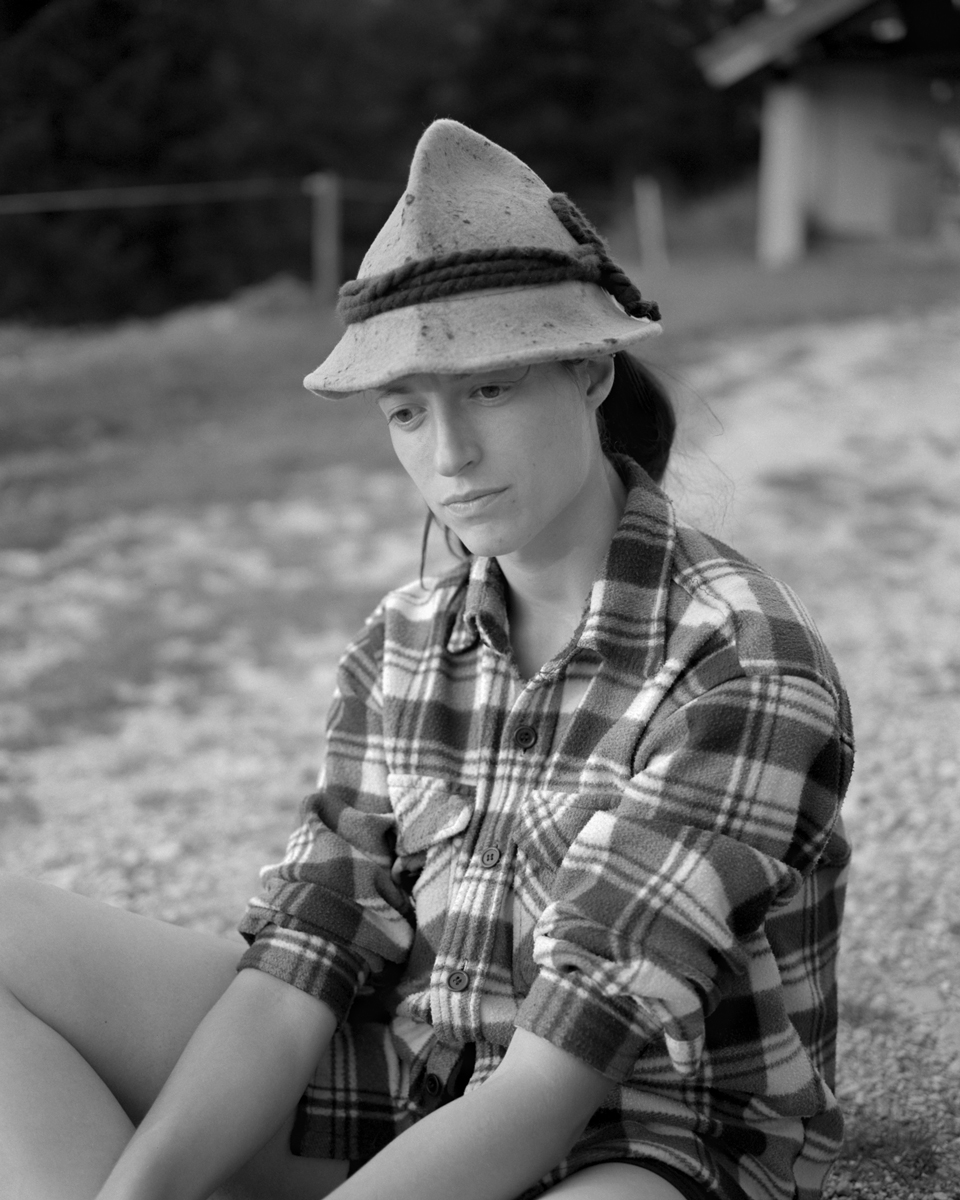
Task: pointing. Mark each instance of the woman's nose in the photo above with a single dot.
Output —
(455, 448)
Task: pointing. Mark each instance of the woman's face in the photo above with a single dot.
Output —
(506, 459)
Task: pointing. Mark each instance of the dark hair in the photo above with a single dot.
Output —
(637, 417)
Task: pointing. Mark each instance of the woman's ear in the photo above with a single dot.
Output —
(597, 375)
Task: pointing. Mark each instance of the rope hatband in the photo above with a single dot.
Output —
(613, 278)
(513, 266)
(463, 271)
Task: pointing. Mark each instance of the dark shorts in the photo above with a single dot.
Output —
(687, 1187)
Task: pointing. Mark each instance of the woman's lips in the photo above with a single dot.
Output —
(471, 502)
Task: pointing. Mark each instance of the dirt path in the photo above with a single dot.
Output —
(166, 679)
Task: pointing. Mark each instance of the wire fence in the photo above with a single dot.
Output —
(327, 192)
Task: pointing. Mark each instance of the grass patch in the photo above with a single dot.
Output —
(905, 1148)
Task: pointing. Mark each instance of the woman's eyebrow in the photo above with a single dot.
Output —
(391, 389)
(508, 374)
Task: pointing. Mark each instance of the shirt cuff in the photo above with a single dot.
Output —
(607, 1033)
(303, 959)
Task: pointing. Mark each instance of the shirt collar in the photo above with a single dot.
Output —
(626, 616)
(484, 613)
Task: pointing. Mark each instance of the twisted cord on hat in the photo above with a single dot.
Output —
(425, 279)
(612, 278)
(463, 271)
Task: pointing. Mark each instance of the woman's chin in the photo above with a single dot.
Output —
(485, 543)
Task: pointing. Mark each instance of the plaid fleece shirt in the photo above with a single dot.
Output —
(636, 854)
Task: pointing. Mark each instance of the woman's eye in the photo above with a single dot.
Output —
(403, 416)
(490, 391)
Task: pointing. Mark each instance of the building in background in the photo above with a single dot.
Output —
(861, 119)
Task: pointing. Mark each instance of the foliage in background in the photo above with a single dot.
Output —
(593, 94)
(117, 92)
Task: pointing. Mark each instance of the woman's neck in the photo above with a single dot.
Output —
(549, 585)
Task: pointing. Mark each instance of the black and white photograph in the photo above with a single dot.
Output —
(479, 599)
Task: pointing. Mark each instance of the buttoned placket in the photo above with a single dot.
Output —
(461, 968)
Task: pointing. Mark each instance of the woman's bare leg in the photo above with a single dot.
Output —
(96, 1006)
(55, 1113)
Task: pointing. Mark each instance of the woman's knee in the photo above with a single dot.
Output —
(22, 902)
(126, 991)
(52, 937)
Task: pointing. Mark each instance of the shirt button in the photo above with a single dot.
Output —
(432, 1085)
(458, 981)
(490, 857)
(525, 736)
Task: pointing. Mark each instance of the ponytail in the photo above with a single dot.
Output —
(637, 417)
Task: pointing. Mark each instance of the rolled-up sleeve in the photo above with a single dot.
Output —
(661, 900)
(330, 913)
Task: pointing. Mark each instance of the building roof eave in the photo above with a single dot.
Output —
(766, 37)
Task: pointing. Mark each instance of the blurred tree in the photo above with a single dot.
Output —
(590, 93)
(103, 92)
(16, 13)
(593, 94)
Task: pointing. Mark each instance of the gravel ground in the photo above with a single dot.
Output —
(836, 450)
(166, 677)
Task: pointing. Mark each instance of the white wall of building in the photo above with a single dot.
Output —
(875, 157)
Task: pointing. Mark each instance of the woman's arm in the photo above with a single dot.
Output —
(661, 903)
(493, 1142)
(241, 1073)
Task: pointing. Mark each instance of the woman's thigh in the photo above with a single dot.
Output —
(125, 990)
(615, 1181)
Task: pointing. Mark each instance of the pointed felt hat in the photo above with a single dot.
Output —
(479, 266)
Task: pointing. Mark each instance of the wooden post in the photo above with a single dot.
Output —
(784, 165)
(325, 237)
(651, 227)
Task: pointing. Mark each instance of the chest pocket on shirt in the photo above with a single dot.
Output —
(432, 815)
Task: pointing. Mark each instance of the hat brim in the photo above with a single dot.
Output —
(478, 331)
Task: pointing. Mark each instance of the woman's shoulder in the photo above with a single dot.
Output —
(415, 613)
(422, 600)
(758, 615)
